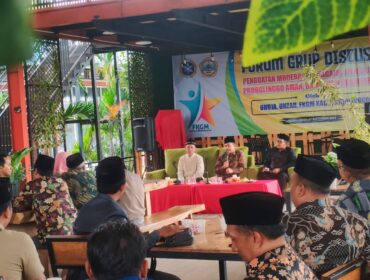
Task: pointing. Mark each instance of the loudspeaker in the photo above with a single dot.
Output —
(367, 112)
(144, 138)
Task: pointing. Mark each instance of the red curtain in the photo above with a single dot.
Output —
(169, 128)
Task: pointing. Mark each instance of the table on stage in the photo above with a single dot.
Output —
(211, 245)
(208, 194)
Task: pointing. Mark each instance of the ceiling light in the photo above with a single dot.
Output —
(147, 21)
(238, 11)
(143, 43)
(108, 33)
(214, 14)
(171, 19)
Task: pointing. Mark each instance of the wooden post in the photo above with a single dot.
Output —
(18, 113)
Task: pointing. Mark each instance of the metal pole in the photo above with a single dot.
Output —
(96, 111)
(118, 95)
(61, 86)
(130, 102)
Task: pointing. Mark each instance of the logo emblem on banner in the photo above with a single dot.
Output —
(200, 106)
(208, 67)
(188, 68)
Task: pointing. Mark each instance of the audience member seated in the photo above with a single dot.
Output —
(5, 166)
(232, 162)
(18, 257)
(354, 167)
(254, 225)
(60, 165)
(116, 251)
(278, 160)
(81, 183)
(191, 164)
(134, 199)
(111, 184)
(324, 236)
(50, 201)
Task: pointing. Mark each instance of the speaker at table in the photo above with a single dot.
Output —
(144, 134)
(367, 112)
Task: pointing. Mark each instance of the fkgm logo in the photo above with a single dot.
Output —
(200, 107)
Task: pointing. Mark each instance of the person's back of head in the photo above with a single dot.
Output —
(44, 165)
(311, 179)
(110, 175)
(354, 160)
(116, 250)
(75, 161)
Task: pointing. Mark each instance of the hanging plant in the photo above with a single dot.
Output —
(331, 94)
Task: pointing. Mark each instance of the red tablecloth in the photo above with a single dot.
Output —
(208, 194)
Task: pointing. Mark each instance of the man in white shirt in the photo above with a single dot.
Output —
(191, 164)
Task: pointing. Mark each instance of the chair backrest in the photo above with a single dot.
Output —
(172, 159)
(296, 150)
(66, 252)
(347, 271)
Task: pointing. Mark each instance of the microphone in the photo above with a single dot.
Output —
(177, 181)
(206, 172)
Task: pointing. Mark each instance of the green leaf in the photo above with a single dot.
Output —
(277, 28)
(15, 32)
(79, 111)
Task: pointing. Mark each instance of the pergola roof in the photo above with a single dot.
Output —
(174, 27)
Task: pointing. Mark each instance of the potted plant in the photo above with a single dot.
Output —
(18, 173)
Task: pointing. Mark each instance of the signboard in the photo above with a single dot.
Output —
(218, 97)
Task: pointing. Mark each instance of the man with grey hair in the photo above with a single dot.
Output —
(81, 183)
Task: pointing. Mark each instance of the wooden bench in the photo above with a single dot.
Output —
(170, 216)
(347, 271)
(148, 187)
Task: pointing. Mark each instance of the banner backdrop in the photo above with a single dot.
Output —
(218, 97)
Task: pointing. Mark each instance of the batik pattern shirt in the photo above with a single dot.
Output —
(282, 159)
(280, 263)
(326, 236)
(357, 198)
(236, 163)
(81, 185)
(51, 203)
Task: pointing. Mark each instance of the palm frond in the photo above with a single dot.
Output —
(79, 111)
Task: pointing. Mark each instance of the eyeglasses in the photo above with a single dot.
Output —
(340, 166)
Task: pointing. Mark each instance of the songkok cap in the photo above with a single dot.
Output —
(190, 142)
(229, 139)
(74, 160)
(283, 136)
(354, 153)
(252, 209)
(5, 195)
(44, 163)
(315, 170)
(110, 175)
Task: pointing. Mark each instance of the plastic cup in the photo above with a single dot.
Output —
(197, 226)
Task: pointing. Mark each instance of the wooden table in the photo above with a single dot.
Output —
(339, 190)
(211, 245)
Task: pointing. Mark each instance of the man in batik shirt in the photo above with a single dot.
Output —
(81, 183)
(324, 236)
(50, 201)
(232, 162)
(254, 224)
(354, 167)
